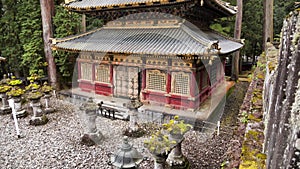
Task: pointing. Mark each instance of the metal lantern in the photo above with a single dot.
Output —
(127, 156)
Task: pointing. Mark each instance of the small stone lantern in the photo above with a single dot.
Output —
(46, 89)
(126, 157)
(133, 106)
(92, 135)
(5, 109)
(177, 130)
(38, 118)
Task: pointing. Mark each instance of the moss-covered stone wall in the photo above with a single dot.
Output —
(281, 98)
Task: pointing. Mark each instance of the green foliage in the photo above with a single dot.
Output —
(15, 92)
(93, 23)
(224, 25)
(159, 143)
(252, 27)
(46, 88)
(282, 9)
(244, 117)
(4, 88)
(34, 95)
(29, 18)
(65, 24)
(33, 77)
(224, 164)
(15, 82)
(32, 86)
(177, 127)
(10, 46)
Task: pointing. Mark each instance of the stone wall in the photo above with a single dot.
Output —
(282, 98)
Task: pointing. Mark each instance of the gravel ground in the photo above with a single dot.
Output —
(57, 144)
(217, 150)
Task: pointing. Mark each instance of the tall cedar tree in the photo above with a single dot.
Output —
(47, 11)
(237, 35)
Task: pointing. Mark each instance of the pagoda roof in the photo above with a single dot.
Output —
(104, 5)
(173, 39)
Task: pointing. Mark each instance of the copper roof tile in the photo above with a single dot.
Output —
(183, 39)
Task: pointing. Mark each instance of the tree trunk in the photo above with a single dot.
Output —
(237, 35)
(268, 22)
(83, 23)
(47, 10)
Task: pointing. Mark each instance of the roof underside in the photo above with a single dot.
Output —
(104, 5)
(182, 39)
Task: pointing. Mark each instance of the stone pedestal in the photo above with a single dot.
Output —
(133, 106)
(92, 135)
(133, 120)
(48, 109)
(38, 117)
(176, 160)
(5, 109)
(159, 161)
(20, 112)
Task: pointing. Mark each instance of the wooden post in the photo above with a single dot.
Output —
(47, 10)
(83, 23)
(268, 22)
(237, 35)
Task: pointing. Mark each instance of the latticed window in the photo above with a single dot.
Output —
(180, 83)
(86, 71)
(213, 73)
(156, 80)
(102, 73)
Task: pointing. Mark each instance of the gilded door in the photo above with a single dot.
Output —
(126, 81)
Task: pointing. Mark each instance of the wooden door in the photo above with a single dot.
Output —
(126, 81)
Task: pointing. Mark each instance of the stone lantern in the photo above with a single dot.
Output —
(38, 118)
(92, 135)
(176, 159)
(126, 157)
(133, 106)
(5, 109)
(47, 91)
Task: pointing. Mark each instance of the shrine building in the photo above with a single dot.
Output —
(159, 51)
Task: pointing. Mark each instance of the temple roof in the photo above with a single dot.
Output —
(159, 39)
(104, 5)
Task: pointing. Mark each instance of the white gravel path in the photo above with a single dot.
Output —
(57, 144)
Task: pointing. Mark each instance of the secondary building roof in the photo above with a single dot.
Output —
(159, 39)
(103, 5)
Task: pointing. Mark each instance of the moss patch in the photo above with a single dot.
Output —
(252, 158)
